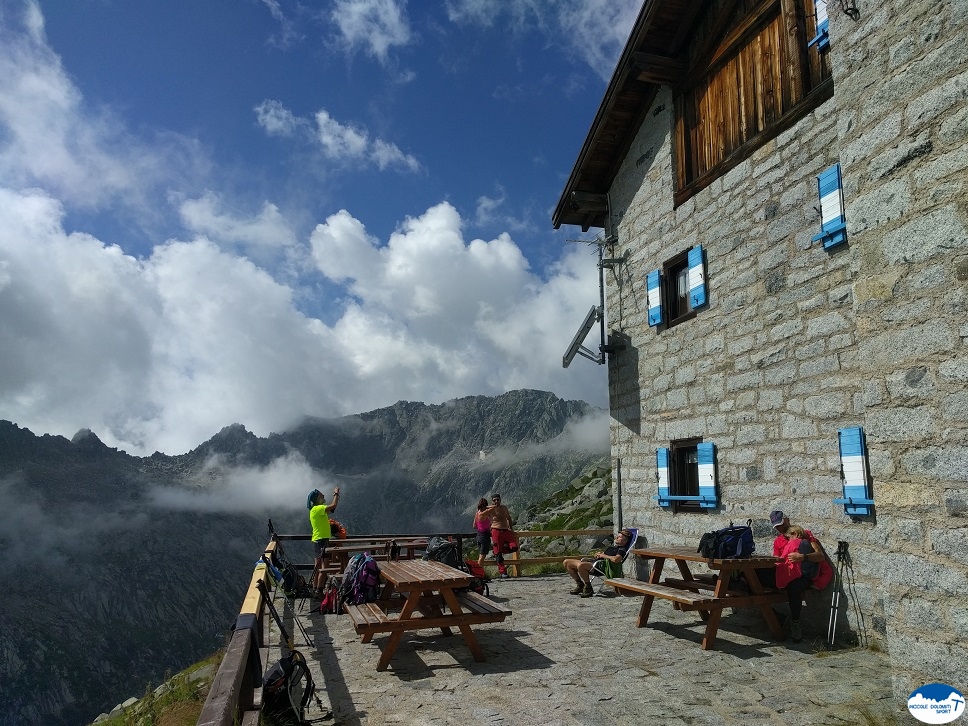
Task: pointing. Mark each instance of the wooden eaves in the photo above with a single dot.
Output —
(651, 58)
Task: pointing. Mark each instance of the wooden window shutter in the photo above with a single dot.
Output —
(662, 475)
(708, 497)
(833, 224)
(697, 278)
(654, 288)
(853, 471)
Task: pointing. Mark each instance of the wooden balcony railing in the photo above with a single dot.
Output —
(236, 693)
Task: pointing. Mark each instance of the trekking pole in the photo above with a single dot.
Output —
(842, 557)
(275, 615)
(287, 602)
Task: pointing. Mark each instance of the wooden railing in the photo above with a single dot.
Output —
(236, 693)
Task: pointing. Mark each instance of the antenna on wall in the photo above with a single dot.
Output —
(596, 314)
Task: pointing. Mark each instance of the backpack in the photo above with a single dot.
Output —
(361, 580)
(287, 578)
(445, 551)
(287, 689)
(732, 542)
(330, 604)
(478, 578)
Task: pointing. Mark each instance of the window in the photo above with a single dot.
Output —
(753, 72)
(686, 473)
(677, 290)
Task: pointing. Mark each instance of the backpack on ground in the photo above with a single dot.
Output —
(287, 689)
(478, 578)
(361, 580)
(330, 604)
(443, 550)
(728, 543)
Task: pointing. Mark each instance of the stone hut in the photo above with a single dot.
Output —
(782, 193)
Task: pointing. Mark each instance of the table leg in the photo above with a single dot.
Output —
(769, 614)
(391, 647)
(712, 623)
(654, 577)
(451, 599)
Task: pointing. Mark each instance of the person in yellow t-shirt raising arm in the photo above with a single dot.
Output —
(319, 512)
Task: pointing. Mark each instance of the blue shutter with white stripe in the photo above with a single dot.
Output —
(662, 474)
(822, 38)
(653, 283)
(706, 456)
(833, 224)
(697, 278)
(853, 467)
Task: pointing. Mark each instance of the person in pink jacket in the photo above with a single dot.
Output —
(804, 564)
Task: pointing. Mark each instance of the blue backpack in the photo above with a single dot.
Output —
(728, 543)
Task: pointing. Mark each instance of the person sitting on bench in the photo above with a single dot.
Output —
(804, 565)
(608, 561)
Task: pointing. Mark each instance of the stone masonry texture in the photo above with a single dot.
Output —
(797, 342)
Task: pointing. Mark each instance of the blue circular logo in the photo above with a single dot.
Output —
(936, 703)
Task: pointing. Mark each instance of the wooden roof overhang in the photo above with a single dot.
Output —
(653, 57)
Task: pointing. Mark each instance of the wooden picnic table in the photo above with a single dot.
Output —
(425, 592)
(340, 550)
(708, 594)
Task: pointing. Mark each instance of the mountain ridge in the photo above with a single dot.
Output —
(101, 546)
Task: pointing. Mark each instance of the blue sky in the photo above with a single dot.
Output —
(252, 211)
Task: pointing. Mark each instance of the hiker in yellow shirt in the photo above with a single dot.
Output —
(319, 512)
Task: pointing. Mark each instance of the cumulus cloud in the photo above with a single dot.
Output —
(376, 26)
(159, 349)
(340, 142)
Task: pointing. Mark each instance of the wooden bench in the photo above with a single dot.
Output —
(684, 597)
(372, 617)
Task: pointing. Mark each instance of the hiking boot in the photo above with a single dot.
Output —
(577, 590)
(587, 591)
(796, 632)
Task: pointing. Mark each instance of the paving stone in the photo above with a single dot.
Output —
(562, 660)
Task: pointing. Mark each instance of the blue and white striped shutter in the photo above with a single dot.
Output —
(653, 283)
(822, 38)
(662, 474)
(697, 278)
(706, 457)
(853, 463)
(833, 224)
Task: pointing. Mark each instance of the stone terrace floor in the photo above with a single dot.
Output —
(561, 659)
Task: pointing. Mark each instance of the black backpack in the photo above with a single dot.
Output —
(287, 689)
(443, 550)
(728, 543)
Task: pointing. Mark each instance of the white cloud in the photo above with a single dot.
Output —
(285, 481)
(375, 25)
(53, 140)
(344, 143)
(276, 119)
(595, 30)
(162, 349)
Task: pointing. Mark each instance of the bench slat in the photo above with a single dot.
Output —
(683, 597)
(480, 604)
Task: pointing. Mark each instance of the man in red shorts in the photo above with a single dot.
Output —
(502, 532)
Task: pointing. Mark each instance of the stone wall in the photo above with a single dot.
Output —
(797, 342)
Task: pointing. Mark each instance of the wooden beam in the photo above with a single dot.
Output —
(658, 69)
(588, 202)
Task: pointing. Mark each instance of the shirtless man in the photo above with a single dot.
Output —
(502, 532)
